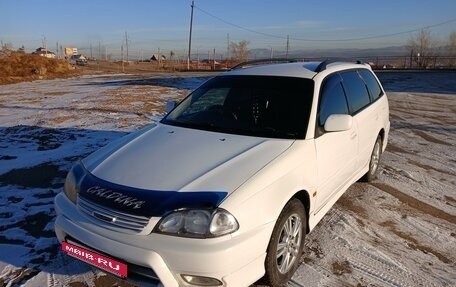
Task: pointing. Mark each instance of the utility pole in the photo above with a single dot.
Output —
(91, 54)
(411, 58)
(190, 38)
(197, 58)
(44, 45)
(227, 46)
(126, 43)
(288, 46)
(213, 59)
(121, 52)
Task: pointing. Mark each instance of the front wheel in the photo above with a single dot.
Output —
(286, 244)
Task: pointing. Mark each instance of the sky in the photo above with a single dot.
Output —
(163, 26)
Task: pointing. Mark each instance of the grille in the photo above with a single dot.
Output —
(112, 217)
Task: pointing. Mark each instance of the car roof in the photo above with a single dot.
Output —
(298, 70)
(292, 68)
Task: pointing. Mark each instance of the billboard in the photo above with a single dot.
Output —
(71, 51)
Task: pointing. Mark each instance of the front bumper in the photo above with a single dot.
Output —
(234, 260)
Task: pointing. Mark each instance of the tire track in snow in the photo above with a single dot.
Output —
(384, 270)
(415, 203)
(314, 275)
(430, 231)
(372, 263)
(369, 265)
(64, 271)
(51, 279)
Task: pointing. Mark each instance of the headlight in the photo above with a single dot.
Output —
(199, 223)
(73, 179)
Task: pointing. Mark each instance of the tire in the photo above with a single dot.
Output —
(286, 244)
(374, 161)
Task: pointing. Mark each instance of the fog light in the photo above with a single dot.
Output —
(201, 281)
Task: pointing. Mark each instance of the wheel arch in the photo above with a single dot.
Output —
(381, 133)
(304, 197)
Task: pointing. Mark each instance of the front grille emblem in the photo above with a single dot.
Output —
(104, 217)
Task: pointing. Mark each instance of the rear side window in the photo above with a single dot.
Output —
(356, 89)
(372, 84)
(333, 99)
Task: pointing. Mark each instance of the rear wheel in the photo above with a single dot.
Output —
(374, 161)
(286, 244)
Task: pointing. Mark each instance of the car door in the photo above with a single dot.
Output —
(377, 112)
(364, 114)
(336, 151)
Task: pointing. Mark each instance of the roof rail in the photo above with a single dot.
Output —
(323, 65)
(266, 61)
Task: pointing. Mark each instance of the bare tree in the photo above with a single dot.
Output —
(240, 51)
(7, 46)
(422, 48)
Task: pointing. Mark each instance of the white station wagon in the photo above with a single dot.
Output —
(224, 189)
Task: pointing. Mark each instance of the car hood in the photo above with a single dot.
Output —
(169, 159)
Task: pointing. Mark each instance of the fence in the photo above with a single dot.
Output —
(377, 62)
(411, 62)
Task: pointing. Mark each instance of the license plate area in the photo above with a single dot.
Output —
(95, 259)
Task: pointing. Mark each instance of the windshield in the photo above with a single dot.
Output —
(263, 106)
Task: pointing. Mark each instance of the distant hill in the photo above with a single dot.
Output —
(322, 53)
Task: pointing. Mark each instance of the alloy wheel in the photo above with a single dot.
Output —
(289, 243)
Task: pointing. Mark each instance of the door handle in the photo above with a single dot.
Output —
(353, 136)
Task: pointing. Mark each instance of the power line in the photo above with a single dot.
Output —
(238, 26)
(325, 40)
(397, 33)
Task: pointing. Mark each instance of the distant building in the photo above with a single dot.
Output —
(78, 57)
(44, 53)
(155, 57)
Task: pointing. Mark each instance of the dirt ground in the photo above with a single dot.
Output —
(18, 67)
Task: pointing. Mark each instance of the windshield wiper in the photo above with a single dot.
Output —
(278, 133)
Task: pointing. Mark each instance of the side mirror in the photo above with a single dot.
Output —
(338, 123)
(170, 106)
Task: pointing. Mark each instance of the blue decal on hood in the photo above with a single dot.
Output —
(143, 201)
